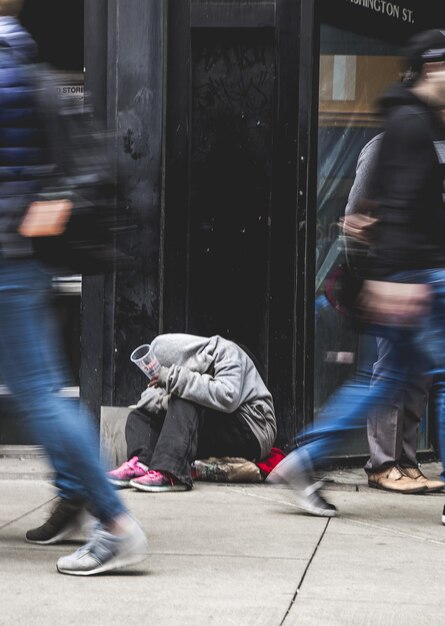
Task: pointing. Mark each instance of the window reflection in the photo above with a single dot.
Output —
(354, 71)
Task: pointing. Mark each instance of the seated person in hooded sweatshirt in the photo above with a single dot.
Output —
(208, 399)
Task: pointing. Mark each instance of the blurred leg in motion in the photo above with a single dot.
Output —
(29, 360)
(348, 408)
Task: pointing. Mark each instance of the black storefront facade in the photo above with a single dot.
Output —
(239, 128)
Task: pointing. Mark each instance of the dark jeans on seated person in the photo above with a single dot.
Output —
(171, 440)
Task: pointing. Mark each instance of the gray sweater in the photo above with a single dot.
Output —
(361, 190)
(366, 163)
(215, 373)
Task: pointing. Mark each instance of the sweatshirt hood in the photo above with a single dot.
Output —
(183, 349)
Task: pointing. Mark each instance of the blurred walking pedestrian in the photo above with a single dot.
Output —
(30, 352)
(403, 294)
(393, 427)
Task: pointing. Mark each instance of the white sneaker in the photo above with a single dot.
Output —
(311, 501)
(105, 552)
(295, 470)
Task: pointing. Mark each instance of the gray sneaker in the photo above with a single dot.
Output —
(105, 552)
(296, 471)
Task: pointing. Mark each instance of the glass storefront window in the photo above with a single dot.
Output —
(354, 71)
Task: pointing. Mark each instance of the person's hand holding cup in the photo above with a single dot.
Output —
(144, 357)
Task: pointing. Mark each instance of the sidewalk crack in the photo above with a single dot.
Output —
(306, 569)
(16, 519)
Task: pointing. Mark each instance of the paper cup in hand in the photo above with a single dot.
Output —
(145, 359)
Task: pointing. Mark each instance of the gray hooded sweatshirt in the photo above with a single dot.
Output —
(215, 373)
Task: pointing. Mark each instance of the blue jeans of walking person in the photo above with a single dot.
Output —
(423, 344)
(32, 365)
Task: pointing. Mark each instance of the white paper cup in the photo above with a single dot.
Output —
(144, 357)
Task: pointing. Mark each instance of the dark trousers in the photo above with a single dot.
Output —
(171, 440)
(393, 427)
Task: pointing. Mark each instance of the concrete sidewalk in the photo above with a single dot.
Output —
(235, 554)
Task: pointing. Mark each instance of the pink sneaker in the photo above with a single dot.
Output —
(158, 481)
(121, 476)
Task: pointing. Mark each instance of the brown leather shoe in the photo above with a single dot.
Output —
(392, 479)
(415, 474)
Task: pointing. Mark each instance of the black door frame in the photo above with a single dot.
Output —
(290, 350)
(125, 69)
(290, 358)
(93, 287)
(293, 230)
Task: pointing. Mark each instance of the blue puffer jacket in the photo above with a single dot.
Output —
(23, 155)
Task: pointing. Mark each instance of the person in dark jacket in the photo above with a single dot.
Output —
(31, 364)
(403, 294)
(392, 428)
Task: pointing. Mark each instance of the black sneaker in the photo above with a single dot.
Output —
(64, 520)
(443, 516)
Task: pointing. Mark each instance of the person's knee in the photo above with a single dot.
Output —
(132, 418)
(176, 403)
